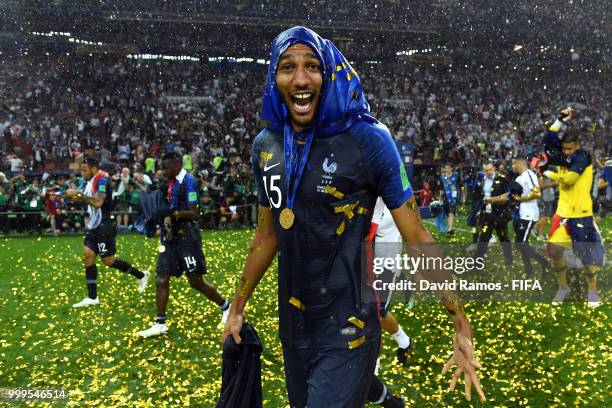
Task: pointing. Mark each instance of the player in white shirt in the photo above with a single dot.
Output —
(529, 213)
(383, 230)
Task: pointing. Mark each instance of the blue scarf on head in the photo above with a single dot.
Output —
(342, 102)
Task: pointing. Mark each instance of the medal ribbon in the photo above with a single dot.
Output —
(292, 168)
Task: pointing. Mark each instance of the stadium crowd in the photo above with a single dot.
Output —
(127, 112)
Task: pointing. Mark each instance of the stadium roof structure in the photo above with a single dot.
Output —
(377, 28)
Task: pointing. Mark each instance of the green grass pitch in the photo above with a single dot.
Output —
(533, 354)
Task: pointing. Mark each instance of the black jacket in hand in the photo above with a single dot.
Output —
(241, 378)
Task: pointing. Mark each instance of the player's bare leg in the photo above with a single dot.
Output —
(540, 227)
(201, 285)
(450, 221)
(163, 292)
(559, 268)
(205, 288)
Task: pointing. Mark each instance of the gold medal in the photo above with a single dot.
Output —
(287, 218)
(161, 248)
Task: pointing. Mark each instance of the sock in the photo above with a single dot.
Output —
(380, 395)
(91, 276)
(402, 339)
(127, 268)
(391, 401)
(225, 305)
(161, 319)
(377, 392)
(560, 269)
(591, 277)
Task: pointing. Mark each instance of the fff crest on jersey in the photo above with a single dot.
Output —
(329, 168)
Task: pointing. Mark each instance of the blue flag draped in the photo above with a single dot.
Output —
(342, 102)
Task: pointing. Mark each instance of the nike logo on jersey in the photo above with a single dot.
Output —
(266, 167)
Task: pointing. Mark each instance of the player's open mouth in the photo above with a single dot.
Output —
(302, 102)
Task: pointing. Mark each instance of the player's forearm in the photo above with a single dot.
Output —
(450, 299)
(544, 186)
(500, 199)
(567, 178)
(420, 242)
(93, 201)
(261, 254)
(520, 199)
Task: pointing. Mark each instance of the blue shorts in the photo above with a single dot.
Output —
(181, 256)
(101, 240)
(579, 234)
(329, 377)
(450, 208)
(586, 240)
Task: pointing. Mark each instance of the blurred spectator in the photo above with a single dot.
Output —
(4, 207)
(122, 199)
(425, 195)
(53, 208)
(209, 212)
(127, 112)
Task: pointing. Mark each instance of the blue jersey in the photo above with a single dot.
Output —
(182, 192)
(320, 280)
(472, 182)
(607, 174)
(450, 185)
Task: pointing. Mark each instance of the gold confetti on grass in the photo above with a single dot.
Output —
(533, 354)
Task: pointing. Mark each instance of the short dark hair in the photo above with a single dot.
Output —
(489, 162)
(172, 156)
(521, 159)
(91, 161)
(571, 136)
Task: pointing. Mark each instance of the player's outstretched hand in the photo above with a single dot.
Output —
(566, 114)
(233, 326)
(463, 357)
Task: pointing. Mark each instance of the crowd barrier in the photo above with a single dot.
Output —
(246, 217)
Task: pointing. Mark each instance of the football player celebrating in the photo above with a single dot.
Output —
(101, 230)
(181, 243)
(320, 164)
(573, 226)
